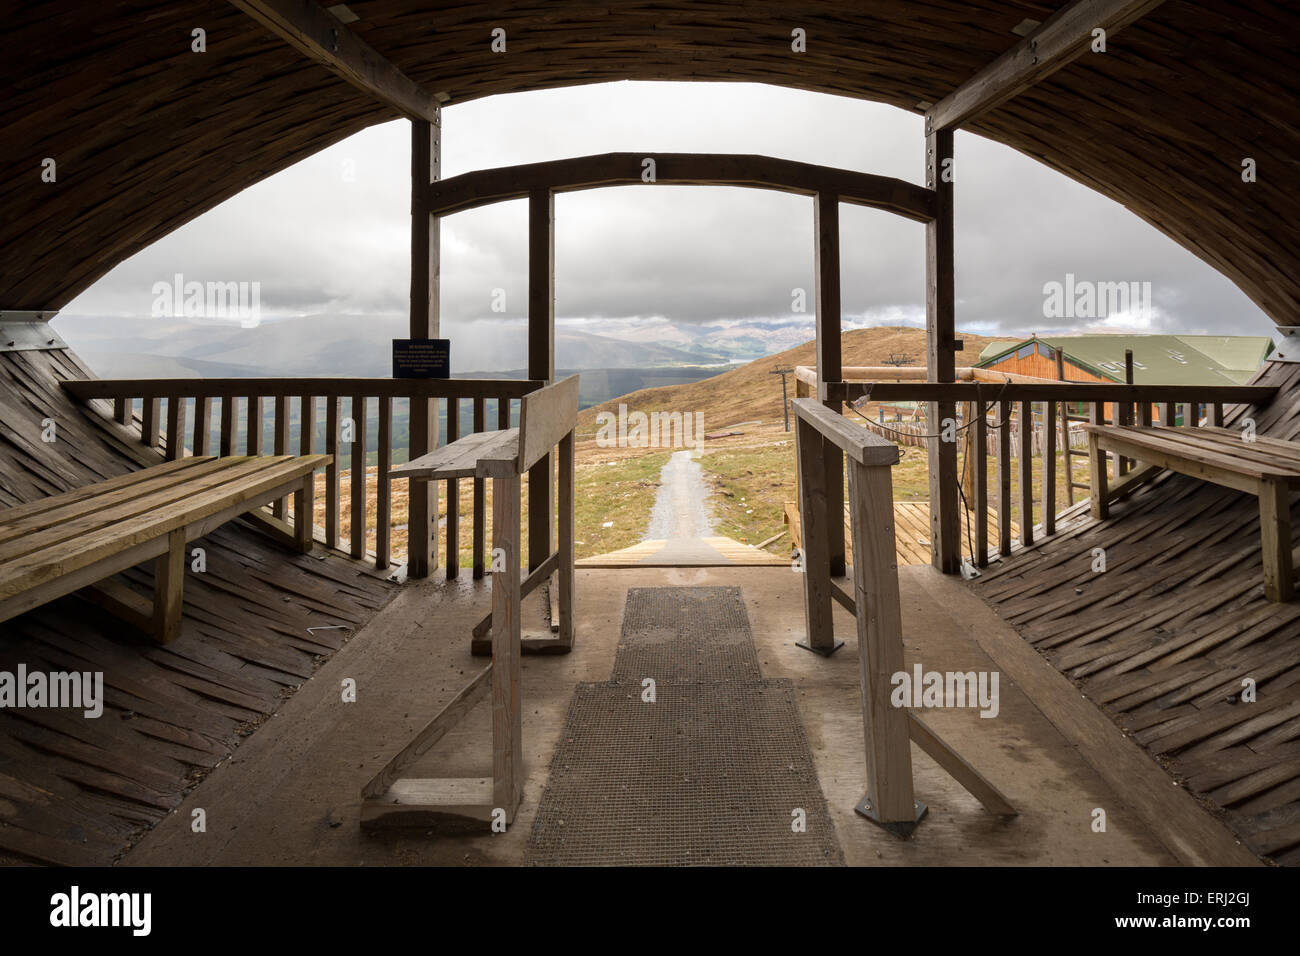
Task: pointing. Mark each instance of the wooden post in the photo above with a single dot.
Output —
(816, 528)
(565, 571)
(123, 409)
(175, 427)
(453, 495)
(541, 358)
(332, 448)
(253, 437)
(357, 530)
(1124, 413)
(384, 485)
(830, 368)
(168, 585)
(1065, 432)
(940, 318)
(422, 513)
(1004, 479)
(280, 437)
(1167, 414)
(1275, 532)
(480, 498)
(202, 425)
(229, 407)
(1026, 473)
(304, 500)
(151, 421)
(306, 425)
(979, 448)
(1097, 465)
(1049, 468)
(889, 800)
(507, 742)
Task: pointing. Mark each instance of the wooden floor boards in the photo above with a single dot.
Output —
(1163, 640)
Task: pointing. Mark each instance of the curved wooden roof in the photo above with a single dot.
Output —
(147, 135)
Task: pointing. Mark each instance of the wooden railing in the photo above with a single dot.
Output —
(176, 414)
(993, 410)
(876, 606)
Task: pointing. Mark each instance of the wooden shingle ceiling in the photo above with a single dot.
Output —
(147, 135)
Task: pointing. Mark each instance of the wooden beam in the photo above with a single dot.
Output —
(484, 186)
(941, 342)
(318, 34)
(541, 361)
(1064, 36)
(422, 510)
(830, 361)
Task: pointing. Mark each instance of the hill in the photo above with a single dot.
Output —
(751, 392)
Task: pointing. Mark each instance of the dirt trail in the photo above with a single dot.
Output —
(681, 508)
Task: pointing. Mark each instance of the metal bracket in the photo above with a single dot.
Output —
(1286, 344)
(899, 828)
(824, 652)
(26, 331)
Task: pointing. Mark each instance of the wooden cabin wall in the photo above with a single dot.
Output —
(84, 449)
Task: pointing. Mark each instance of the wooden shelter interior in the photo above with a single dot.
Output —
(1115, 685)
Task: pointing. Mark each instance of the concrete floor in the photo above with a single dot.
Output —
(291, 793)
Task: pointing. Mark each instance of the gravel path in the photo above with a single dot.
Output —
(681, 507)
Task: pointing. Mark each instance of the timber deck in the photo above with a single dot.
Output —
(1164, 638)
(77, 790)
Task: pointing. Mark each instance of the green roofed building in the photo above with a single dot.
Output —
(1157, 359)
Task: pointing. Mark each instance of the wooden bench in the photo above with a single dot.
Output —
(1266, 467)
(547, 417)
(77, 540)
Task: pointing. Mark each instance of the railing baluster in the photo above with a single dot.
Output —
(229, 407)
(307, 424)
(1026, 473)
(175, 427)
(1049, 468)
(280, 507)
(151, 421)
(1167, 414)
(480, 517)
(357, 533)
(1216, 414)
(202, 424)
(1004, 479)
(503, 413)
(1097, 466)
(256, 425)
(453, 495)
(332, 471)
(123, 409)
(980, 449)
(1144, 414)
(384, 484)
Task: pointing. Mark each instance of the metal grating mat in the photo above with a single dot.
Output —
(709, 774)
(685, 634)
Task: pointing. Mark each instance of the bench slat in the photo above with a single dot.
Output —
(96, 498)
(1254, 458)
(119, 506)
(1223, 458)
(53, 562)
(21, 512)
(460, 459)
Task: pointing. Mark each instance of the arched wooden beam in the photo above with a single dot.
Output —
(485, 186)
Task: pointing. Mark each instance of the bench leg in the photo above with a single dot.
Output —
(304, 506)
(1097, 465)
(169, 579)
(1275, 534)
(507, 743)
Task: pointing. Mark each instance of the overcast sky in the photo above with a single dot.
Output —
(331, 234)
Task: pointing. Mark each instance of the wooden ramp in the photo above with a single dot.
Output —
(911, 531)
(1176, 640)
(687, 553)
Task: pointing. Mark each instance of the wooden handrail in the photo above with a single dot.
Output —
(862, 446)
(1035, 392)
(336, 387)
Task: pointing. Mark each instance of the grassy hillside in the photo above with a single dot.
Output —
(751, 392)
